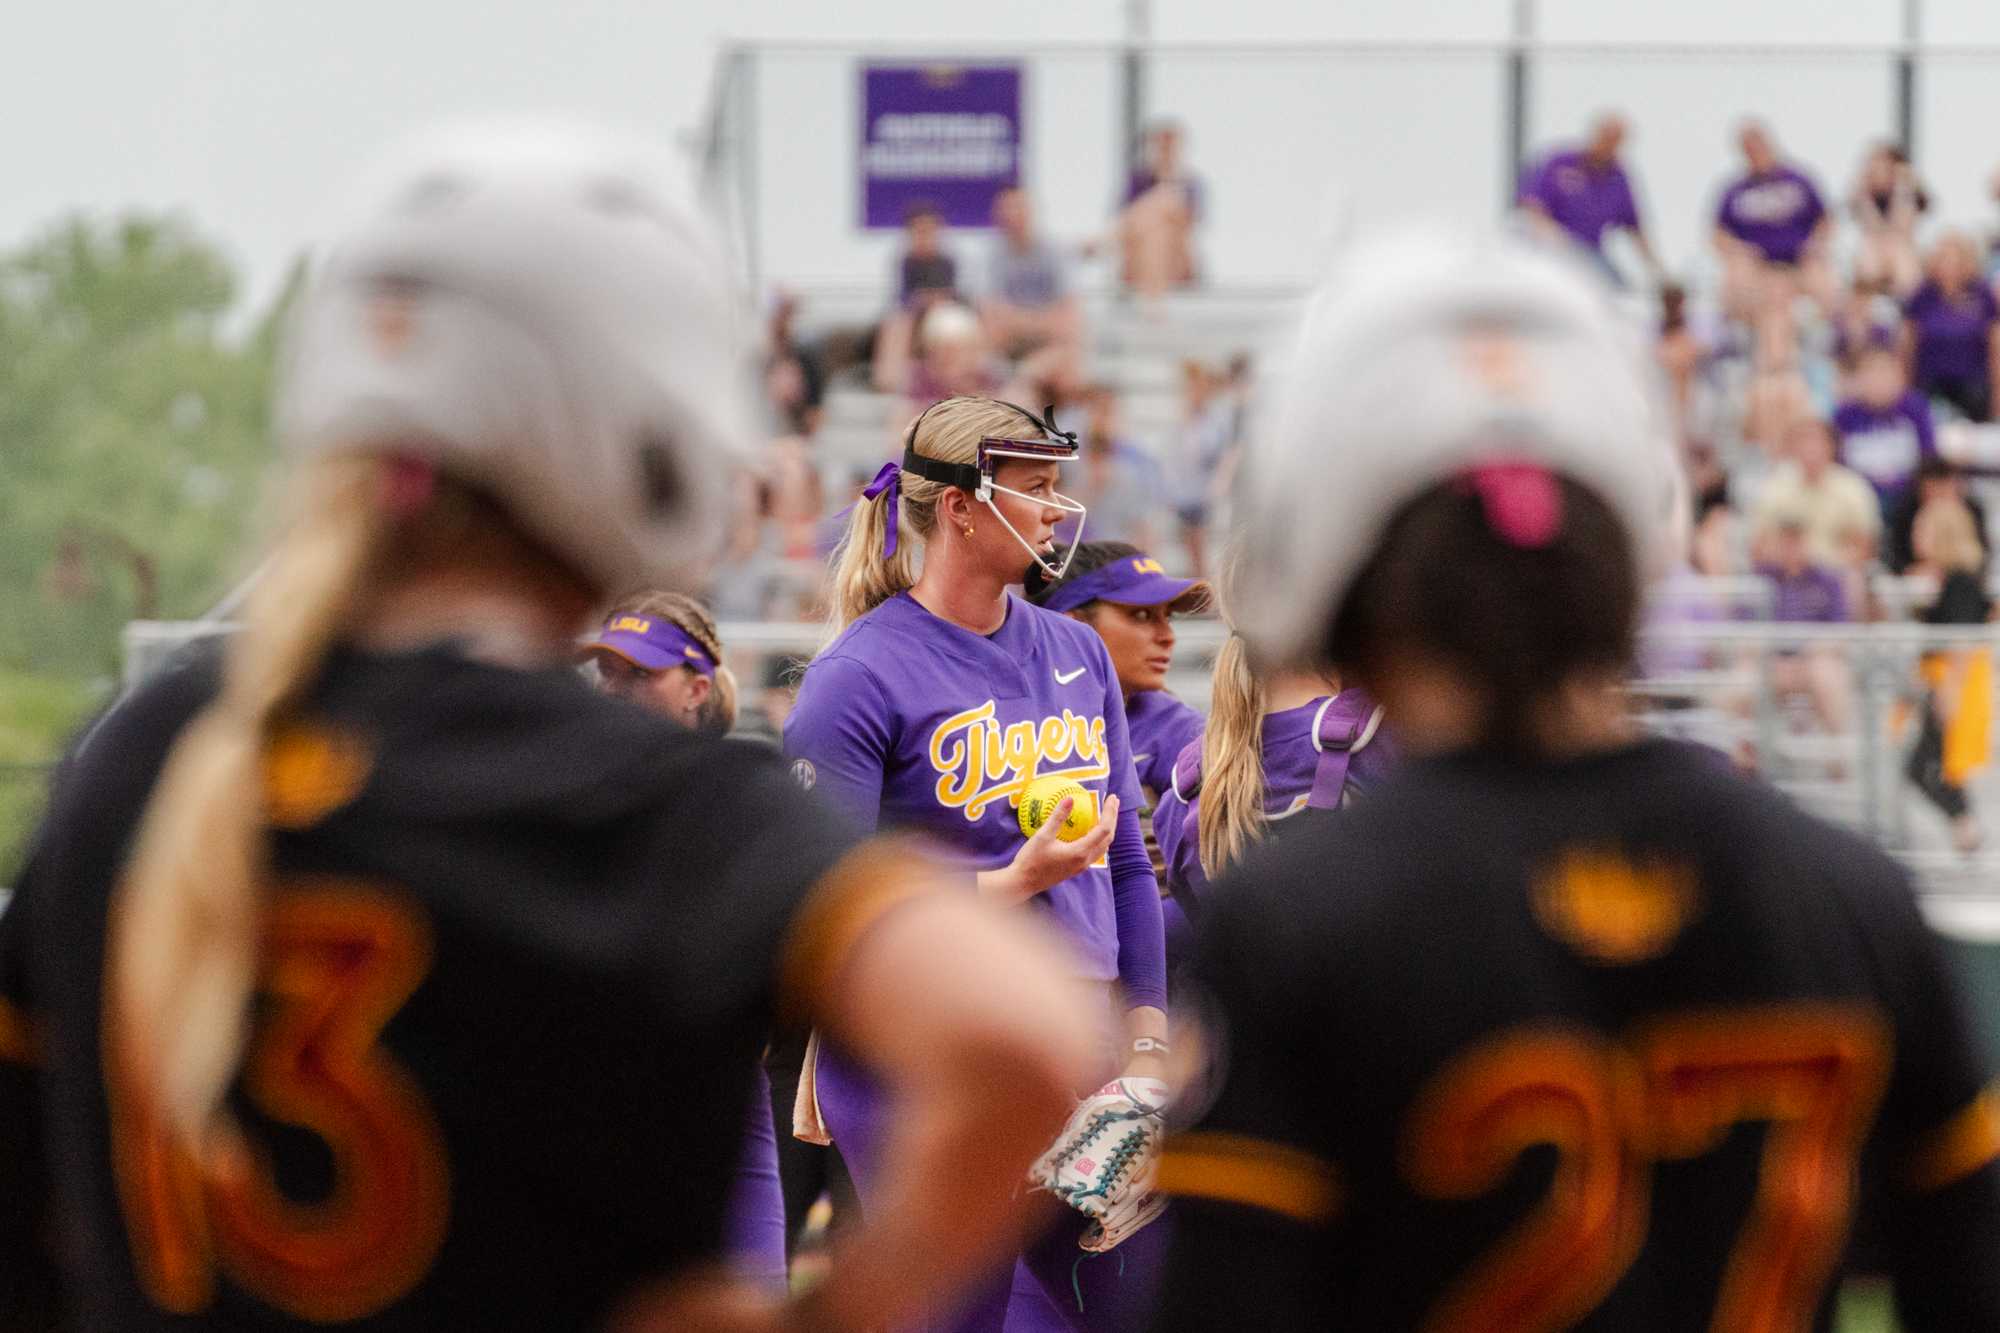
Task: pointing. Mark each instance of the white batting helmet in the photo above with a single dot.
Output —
(529, 307)
(1419, 357)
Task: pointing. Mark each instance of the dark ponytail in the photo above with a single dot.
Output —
(1089, 557)
(1519, 621)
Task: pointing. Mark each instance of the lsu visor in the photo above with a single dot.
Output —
(1135, 580)
(651, 643)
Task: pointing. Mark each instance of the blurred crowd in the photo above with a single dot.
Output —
(1008, 321)
(1831, 375)
(1834, 402)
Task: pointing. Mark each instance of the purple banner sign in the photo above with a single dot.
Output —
(946, 135)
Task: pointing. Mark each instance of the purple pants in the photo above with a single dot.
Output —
(754, 1231)
(1079, 1292)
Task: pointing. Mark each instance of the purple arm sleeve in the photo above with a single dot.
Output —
(1142, 947)
(1174, 829)
(841, 730)
(1135, 894)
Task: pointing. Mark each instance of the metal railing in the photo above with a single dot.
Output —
(1525, 81)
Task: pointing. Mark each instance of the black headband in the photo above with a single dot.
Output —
(966, 476)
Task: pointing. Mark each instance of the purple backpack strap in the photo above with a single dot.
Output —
(1343, 726)
(1187, 772)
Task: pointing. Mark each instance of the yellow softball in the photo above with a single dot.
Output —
(1041, 799)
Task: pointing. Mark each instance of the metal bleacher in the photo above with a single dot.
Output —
(1137, 352)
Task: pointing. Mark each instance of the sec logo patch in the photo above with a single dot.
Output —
(802, 773)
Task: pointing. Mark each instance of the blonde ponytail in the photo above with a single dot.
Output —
(863, 577)
(184, 939)
(1231, 814)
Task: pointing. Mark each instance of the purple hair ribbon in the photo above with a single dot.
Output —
(889, 479)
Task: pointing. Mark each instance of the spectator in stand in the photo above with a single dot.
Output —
(797, 495)
(1776, 398)
(1938, 482)
(746, 580)
(1202, 441)
(1885, 428)
(1679, 350)
(1833, 505)
(1804, 592)
(1713, 541)
(1951, 330)
(1955, 738)
(1163, 203)
(1028, 303)
(954, 359)
(1771, 230)
(794, 380)
(1121, 484)
(1866, 313)
(1885, 202)
(925, 274)
(1581, 193)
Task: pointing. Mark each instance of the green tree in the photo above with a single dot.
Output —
(134, 451)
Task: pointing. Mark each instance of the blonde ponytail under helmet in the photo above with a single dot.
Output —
(520, 332)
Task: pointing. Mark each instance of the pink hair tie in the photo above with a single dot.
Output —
(408, 485)
(1523, 503)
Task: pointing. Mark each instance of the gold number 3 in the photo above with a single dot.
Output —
(340, 958)
(1814, 1073)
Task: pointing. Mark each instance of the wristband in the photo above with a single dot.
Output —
(1148, 1046)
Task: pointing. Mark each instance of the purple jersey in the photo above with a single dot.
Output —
(1584, 199)
(1813, 596)
(1885, 444)
(1775, 214)
(908, 721)
(1293, 747)
(1159, 727)
(1953, 333)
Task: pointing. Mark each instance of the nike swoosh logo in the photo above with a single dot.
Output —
(1061, 679)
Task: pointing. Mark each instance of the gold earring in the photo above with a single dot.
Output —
(968, 529)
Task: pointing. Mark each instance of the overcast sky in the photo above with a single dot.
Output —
(246, 114)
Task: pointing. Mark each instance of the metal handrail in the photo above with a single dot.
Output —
(989, 47)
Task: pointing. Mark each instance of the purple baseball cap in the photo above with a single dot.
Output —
(1132, 580)
(651, 643)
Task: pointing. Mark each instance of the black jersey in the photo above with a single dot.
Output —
(1621, 1043)
(521, 947)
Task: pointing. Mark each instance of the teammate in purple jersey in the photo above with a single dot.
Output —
(1128, 598)
(941, 697)
(1278, 743)
(662, 651)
